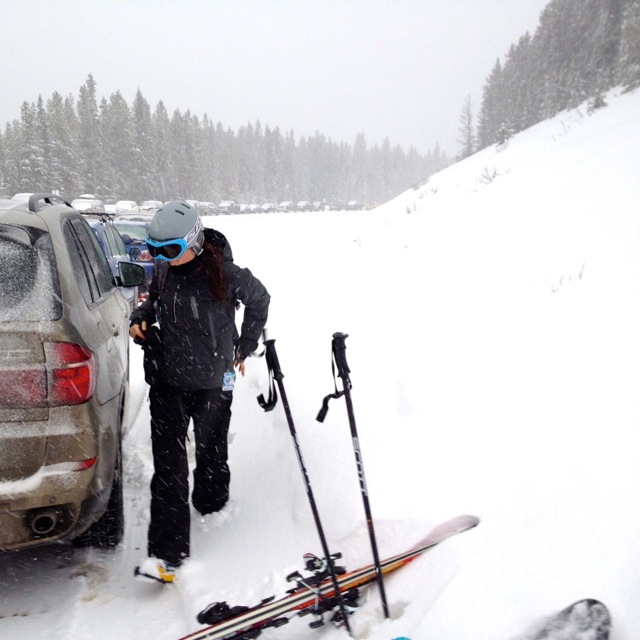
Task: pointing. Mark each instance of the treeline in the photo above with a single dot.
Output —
(581, 48)
(77, 145)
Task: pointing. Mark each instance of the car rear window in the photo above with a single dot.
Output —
(29, 284)
(135, 232)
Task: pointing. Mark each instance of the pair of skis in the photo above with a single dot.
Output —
(314, 595)
(586, 619)
(330, 589)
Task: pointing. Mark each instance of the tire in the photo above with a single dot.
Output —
(107, 532)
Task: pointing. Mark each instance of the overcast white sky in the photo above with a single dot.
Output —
(387, 68)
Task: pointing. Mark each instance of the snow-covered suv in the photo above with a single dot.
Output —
(63, 377)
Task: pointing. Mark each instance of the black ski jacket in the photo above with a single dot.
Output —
(198, 338)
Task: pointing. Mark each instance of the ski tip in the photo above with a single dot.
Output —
(587, 618)
(460, 523)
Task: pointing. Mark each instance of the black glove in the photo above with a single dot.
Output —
(245, 348)
(152, 347)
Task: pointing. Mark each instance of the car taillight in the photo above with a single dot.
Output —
(83, 465)
(71, 373)
(67, 377)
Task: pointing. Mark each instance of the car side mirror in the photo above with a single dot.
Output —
(131, 275)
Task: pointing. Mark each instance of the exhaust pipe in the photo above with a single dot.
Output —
(44, 521)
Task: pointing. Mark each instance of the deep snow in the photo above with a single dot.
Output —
(493, 318)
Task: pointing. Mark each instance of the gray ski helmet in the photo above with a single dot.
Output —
(178, 220)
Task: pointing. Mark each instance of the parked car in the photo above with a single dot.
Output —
(126, 205)
(286, 205)
(226, 207)
(64, 356)
(23, 197)
(114, 249)
(207, 209)
(137, 216)
(88, 205)
(133, 234)
(151, 204)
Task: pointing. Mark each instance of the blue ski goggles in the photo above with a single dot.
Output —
(167, 250)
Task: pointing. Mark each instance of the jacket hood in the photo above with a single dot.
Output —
(217, 239)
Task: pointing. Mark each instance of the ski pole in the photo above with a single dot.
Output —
(339, 349)
(275, 373)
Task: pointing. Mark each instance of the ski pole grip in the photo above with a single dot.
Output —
(340, 353)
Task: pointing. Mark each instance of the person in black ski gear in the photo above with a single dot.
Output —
(189, 361)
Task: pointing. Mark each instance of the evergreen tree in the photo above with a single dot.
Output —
(629, 65)
(62, 156)
(491, 111)
(358, 186)
(3, 163)
(117, 173)
(30, 170)
(273, 164)
(13, 157)
(519, 110)
(257, 163)
(386, 188)
(162, 159)
(89, 139)
(248, 158)
(44, 143)
(143, 178)
(466, 130)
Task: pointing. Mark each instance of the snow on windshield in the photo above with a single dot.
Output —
(29, 288)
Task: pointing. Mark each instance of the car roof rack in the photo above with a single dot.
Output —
(106, 218)
(48, 199)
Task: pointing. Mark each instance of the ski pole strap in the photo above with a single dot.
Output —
(339, 360)
(322, 414)
(272, 401)
(273, 367)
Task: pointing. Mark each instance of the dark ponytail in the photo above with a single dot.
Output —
(213, 266)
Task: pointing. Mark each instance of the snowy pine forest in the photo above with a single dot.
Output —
(580, 49)
(108, 147)
(92, 144)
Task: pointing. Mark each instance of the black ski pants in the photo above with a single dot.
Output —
(171, 411)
